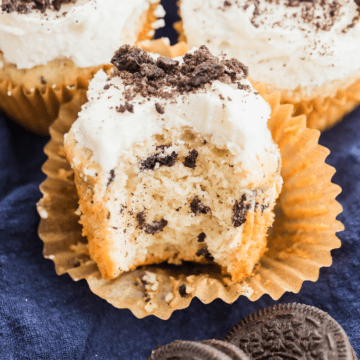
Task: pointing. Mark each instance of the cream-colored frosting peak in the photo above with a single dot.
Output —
(87, 32)
(236, 119)
(284, 46)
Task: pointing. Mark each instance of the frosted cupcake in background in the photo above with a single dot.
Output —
(50, 49)
(174, 162)
(305, 49)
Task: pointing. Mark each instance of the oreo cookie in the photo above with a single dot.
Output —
(291, 331)
(229, 349)
(207, 350)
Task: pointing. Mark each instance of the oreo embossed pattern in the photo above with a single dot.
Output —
(281, 332)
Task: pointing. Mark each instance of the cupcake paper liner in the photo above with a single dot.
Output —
(299, 243)
(36, 107)
(322, 111)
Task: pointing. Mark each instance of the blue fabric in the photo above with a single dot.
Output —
(45, 316)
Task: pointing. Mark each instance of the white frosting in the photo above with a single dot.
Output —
(284, 50)
(240, 124)
(89, 34)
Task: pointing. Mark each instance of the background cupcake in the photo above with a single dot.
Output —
(50, 49)
(303, 49)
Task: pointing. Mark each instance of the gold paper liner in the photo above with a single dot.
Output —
(322, 111)
(299, 243)
(35, 106)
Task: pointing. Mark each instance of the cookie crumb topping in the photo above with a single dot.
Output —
(320, 14)
(165, 78)
(27, 6)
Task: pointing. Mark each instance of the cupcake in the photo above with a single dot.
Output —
(174, 162)
(51, 49)
(303, 49)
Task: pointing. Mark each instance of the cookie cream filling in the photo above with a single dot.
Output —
(87, 32)
(234, 114)
(288, 43)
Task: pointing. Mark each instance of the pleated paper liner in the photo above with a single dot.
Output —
(37, 108)
(35, 104)
(299, 244)
(323, 111)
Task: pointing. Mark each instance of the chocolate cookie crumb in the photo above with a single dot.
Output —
(190, 160)
(182, 290)
(205, 252)
(154, 228)
(201, 237)
(166, 63)
(112, 177)
(159, 108)
(240, 210)
(27, 6)
(129, 107)
(165, 78)
(120, 109)
(197, 207)
(106, 87)
(227, 3)
(42, 80)
(159, 158)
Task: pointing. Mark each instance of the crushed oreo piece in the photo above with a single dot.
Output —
(240, 210)
(129, 107)
(197, 207)
(205, 252)
(27, 6)
(159, 158)
(151, 71)
(120, 109)
(154, 228)
(201, 237)
(112, 177)
(159, 108)
(243, 87)
(106, 87)
(165, 78)
(166, 63)
(227, 3)
(182, 290)
(190, 160)
(130, 58)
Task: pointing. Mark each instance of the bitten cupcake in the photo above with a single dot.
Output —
(305, 49)
(50, 49)
(174, 162)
